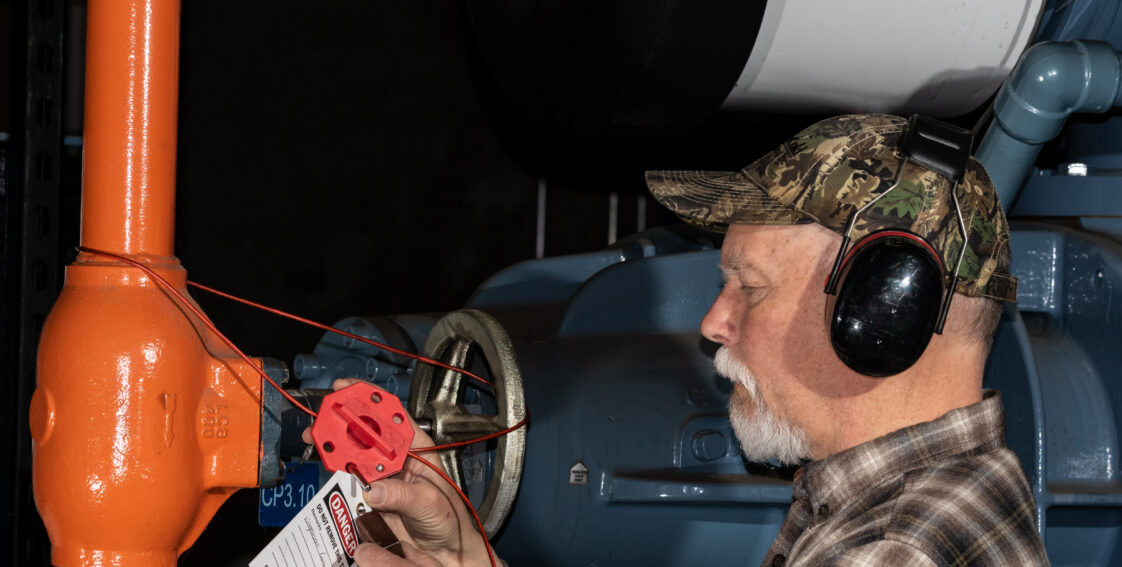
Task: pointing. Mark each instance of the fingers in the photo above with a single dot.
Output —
(343, 383)
(370, 555)
(434, 519)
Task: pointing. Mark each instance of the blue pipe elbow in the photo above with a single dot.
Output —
(1051, 81)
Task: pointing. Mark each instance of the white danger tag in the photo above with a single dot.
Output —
(323, 533)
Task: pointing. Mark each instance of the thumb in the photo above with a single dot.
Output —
(371, 555)
(419, 500)
(419, 557)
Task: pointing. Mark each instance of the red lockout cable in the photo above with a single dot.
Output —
(185, 302)
(202, 318)
(331, 329)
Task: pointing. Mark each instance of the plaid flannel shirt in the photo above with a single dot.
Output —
(945, 492)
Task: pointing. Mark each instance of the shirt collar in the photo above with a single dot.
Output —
(838, 479)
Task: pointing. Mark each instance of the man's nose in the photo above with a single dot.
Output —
(717, 325)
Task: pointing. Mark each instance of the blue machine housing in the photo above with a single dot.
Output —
(621, 384)
(630, 458)
(1056, 358)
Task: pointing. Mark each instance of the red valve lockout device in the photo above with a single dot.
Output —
(363, 429)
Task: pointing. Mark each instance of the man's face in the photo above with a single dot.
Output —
(769, 319)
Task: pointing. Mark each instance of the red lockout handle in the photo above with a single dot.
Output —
(363, 429)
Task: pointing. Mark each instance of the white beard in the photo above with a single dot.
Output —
(763, 434)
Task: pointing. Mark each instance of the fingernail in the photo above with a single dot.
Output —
(376, 496)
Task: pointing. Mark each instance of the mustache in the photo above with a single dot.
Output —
(735, 371)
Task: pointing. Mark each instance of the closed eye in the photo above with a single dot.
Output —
(754, 293)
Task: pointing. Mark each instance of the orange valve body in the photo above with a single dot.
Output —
(143, 422)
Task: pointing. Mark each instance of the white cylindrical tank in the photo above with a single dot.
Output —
(938, 57)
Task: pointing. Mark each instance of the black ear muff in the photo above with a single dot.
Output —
(890, 292)
(887, 292)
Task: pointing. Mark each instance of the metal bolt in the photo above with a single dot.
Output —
(372, 367)
(709, 445)
(306, 366)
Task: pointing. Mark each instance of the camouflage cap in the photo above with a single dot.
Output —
(833, 168)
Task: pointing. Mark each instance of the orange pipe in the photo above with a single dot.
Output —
(132, 82)
(143, 424)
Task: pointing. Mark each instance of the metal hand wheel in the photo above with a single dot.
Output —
(435, 399)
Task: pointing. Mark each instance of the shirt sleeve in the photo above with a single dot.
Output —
(883, 553)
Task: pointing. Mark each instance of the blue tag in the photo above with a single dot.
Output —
(278, 505)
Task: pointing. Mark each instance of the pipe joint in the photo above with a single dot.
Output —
(1054, 80)
(1051, 81)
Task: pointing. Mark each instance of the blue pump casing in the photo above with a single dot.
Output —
(630, 458)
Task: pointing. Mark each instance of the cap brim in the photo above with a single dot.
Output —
(715, 199)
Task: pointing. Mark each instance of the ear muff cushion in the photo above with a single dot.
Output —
(887, 304)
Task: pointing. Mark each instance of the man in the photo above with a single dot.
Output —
(908, 469)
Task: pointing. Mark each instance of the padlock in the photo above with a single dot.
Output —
(363, 429)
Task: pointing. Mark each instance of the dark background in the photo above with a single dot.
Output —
(358, 159)
(339, 159)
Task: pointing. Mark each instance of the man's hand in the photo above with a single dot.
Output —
(370, 555)
(423, 510)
